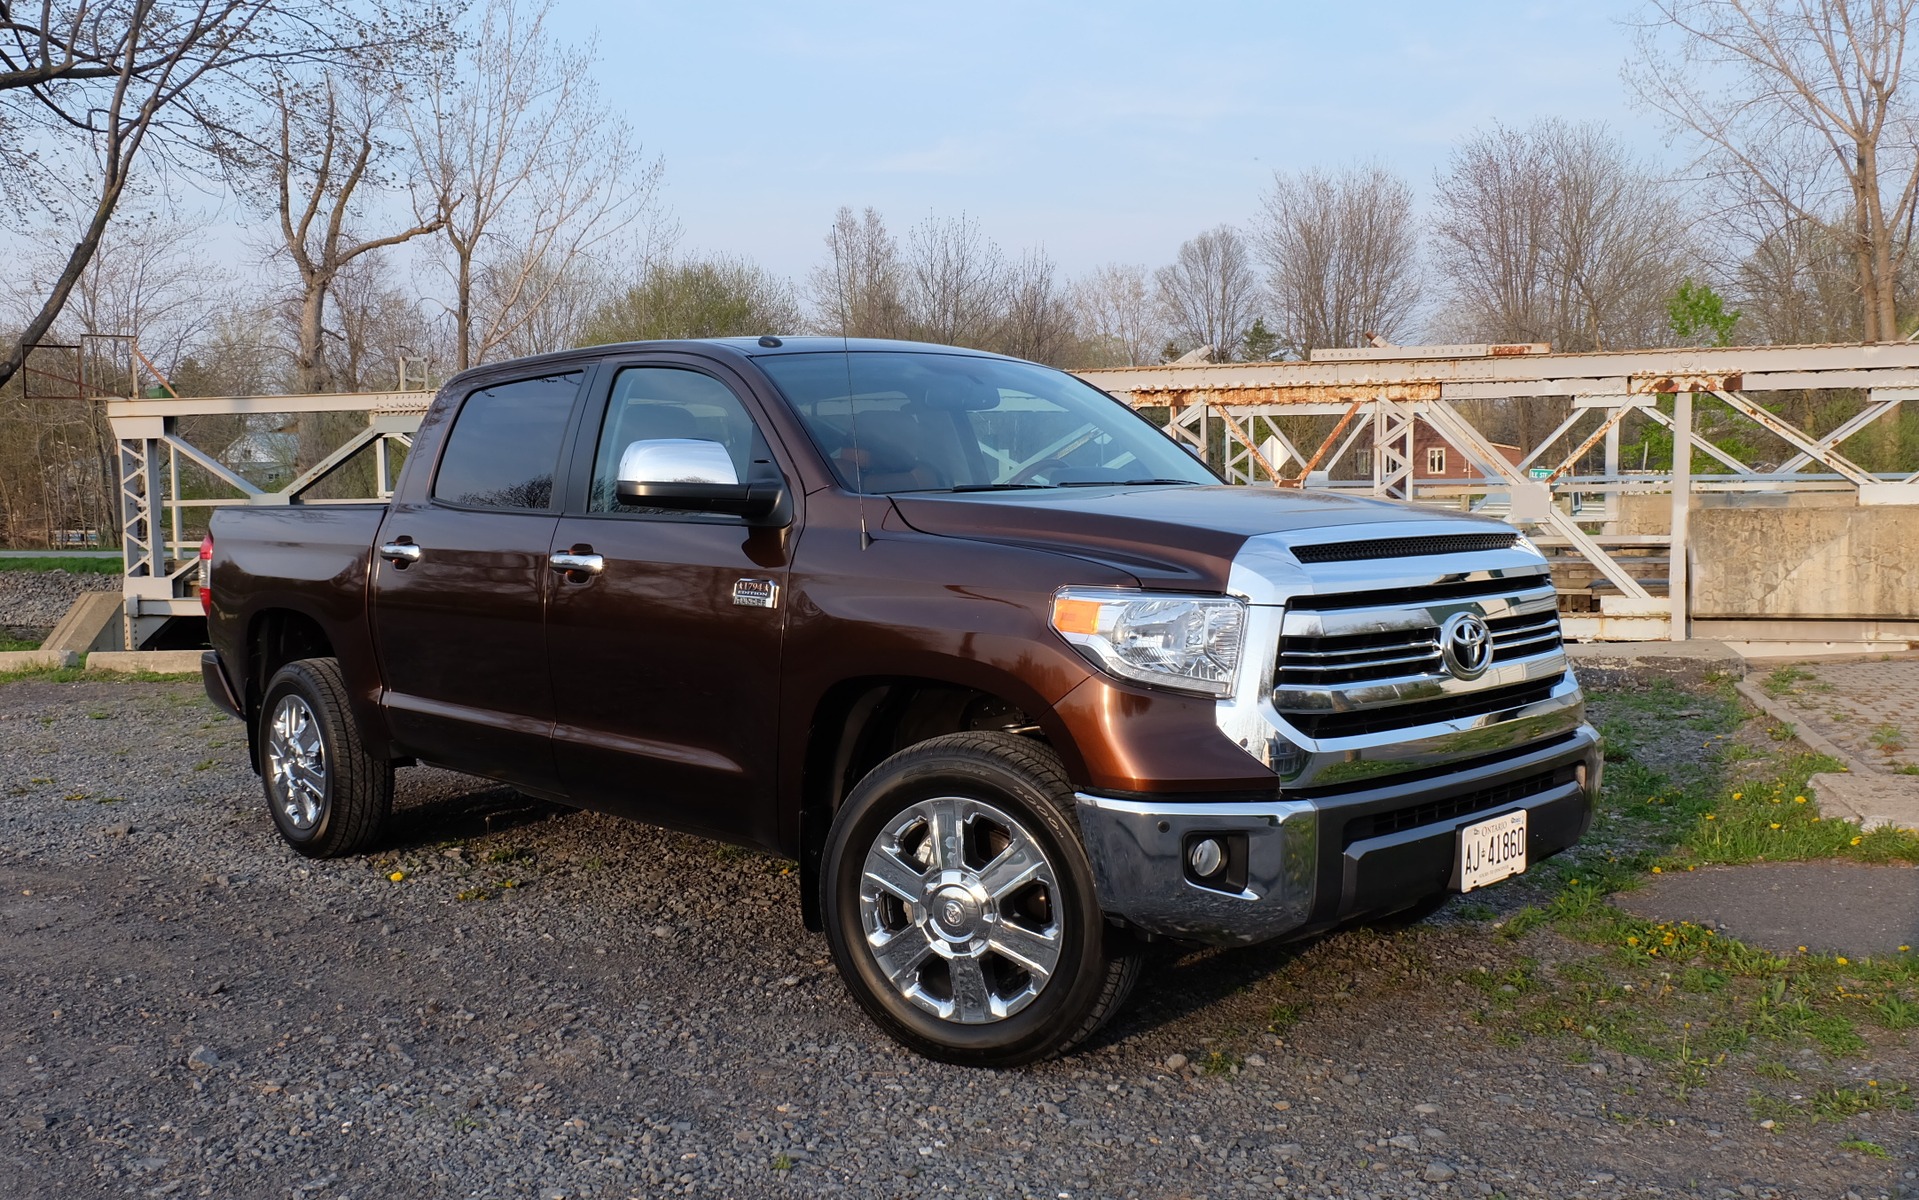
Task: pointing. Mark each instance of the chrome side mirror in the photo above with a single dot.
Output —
(695, 475)
(676, 460)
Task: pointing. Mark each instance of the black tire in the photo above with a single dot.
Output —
(339, 808)
(986, 781)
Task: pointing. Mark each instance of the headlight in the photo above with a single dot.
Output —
(1525, 543)
(1188, 643)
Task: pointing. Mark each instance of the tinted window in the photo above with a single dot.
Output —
(907, 422)
(505, 444)
(650, 403)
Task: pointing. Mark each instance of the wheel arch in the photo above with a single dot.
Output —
(860, 722)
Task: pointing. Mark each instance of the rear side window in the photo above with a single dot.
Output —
(505, 444)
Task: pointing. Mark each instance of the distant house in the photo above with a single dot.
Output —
(1436, 458)
(263, 458)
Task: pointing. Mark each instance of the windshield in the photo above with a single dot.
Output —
(903, 422)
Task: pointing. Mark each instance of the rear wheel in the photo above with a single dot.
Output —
(327, 795)
(959, 904)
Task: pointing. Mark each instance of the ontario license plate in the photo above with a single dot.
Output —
(1491, 850)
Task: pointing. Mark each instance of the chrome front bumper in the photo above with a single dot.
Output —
(1313, 861)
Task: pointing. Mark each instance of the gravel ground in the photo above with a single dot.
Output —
(32, 602)
(556, 1004)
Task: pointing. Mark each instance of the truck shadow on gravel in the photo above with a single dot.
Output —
(480, 809)
(1178, 982)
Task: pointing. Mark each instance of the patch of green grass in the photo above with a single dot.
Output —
(1889, 738)
(510, 854)
(1784, 680)
(1895, 1012)
(1778, 819)
(61, 562)
(1833, 1103)
(1220, 1062)
(1860, 1146)
(1281, 1017)
(782, 1161)
(9, 644)
(77, 674)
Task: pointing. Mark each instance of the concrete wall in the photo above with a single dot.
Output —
(1805, 562)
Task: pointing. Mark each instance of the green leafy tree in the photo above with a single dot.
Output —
(1260, 343)
(720, 297)
(1698, 314)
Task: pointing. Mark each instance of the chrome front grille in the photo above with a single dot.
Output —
(1372, 662)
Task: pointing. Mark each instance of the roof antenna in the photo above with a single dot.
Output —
(852, 406)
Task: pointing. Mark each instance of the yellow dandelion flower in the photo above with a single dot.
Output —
(1872, 1083)
(1656, 871)
(397, 876)
(1798, 799)
(1856, 841)
(1843, 961)
(1802, 949)
(1903, 949)
(1632, 941)
(1775, 825)
(1712, 816)
(1739, 795)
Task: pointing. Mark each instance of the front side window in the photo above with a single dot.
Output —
(654, 403)
(904, 422)
(505, 444)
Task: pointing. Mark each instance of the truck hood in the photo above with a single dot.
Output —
(1166, 537)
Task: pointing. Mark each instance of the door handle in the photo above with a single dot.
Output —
(400, 552)
(588, 564)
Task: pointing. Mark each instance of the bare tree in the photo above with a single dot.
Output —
(857, 292)
(1797, 285)
(1554, 233)
(1800, 105)
(1040, 322)
(89, 92)
(1119, 315)
(147, 277)
(1207, 294)
(1342, 256)
(955, 282)
(532, 170)
(325, 163)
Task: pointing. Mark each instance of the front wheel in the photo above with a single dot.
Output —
(327, 795)
(960, 908)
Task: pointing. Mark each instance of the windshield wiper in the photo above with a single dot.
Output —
(999, 487)
(1128, 482)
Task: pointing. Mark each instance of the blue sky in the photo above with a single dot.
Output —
(1105, 132)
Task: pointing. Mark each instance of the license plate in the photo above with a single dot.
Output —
(1491, 850)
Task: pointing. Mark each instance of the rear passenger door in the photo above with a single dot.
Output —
(666, 662)
(460, 582)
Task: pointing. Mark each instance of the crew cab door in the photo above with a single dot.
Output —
(665, 657)
(460, 581)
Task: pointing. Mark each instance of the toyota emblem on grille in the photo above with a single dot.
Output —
(1467, 645)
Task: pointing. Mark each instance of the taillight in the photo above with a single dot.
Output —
(206, 575)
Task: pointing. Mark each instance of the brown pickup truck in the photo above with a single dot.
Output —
(1015, 678)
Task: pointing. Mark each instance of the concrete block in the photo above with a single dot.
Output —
(34, 660)
(161, 662)
(93, 623)
(1873, 800)
(1832, 563)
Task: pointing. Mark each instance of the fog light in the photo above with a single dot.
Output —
(1206, 857)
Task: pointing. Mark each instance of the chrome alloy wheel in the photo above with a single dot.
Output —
(296, 763)
(959, 906)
